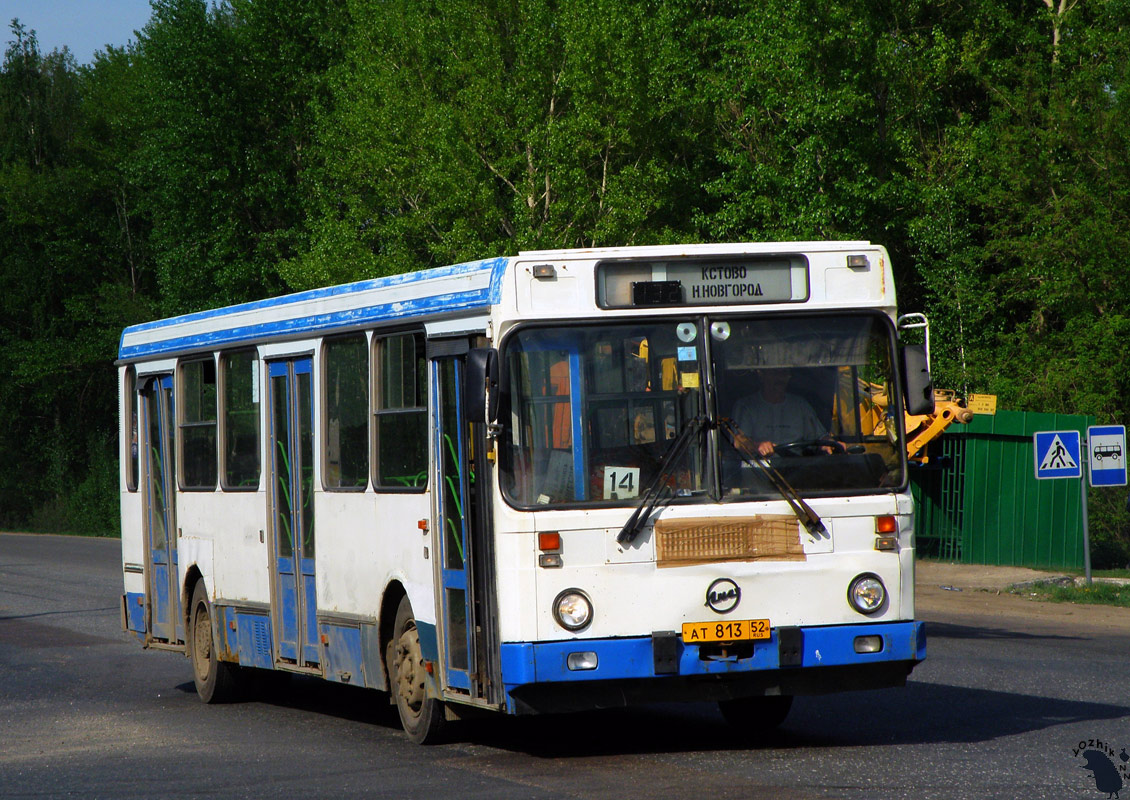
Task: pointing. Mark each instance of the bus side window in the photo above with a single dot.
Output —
(239, 417)
(198, 424)
(400, 413)
(131, 431)
(347, 412)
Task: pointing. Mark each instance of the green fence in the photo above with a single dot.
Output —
(978, 500)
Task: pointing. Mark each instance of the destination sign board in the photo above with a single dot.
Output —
(698, 282)
(734, 283)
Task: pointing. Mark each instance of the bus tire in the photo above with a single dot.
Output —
(422, 717)
(216, 681)
(756, 714)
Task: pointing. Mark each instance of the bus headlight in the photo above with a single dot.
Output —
(573, 610)
(867, 594)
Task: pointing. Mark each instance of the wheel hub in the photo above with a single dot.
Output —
(202, 643)
(410, 669)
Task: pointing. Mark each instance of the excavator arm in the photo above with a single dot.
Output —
(923, 429)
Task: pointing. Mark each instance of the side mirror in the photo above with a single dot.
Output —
(480, 387)
(917, 387)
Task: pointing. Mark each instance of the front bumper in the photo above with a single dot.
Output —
(804, 660)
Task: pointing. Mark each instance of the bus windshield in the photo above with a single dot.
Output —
(811, 393)
(590, 411)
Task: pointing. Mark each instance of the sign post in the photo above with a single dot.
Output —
(1086, 532)
(1059, 454)
(1107, 446)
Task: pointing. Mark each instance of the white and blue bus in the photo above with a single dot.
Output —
(556, 481)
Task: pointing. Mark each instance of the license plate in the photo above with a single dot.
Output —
(733, 630)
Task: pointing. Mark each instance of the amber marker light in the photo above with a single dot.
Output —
(886, 525)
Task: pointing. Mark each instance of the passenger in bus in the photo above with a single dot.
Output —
(773, 415)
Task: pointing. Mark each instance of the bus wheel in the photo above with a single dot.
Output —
(756, 714)
(216, 681)
(423, 717)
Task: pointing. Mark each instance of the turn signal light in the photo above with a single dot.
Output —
(886, 524)
(549, 542)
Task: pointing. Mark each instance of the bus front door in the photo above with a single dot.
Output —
(467, 622)
(166, 625)
(294, 599)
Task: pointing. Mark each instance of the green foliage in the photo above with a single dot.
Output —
(38, 103)
(71, 278)
(459, 129)
(802, 111)
(225, 92)
(92, 507)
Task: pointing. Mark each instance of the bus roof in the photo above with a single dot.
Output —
(454, 291)
(460, 288)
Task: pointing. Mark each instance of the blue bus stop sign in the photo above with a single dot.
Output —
(1106, 445)
(1058, 454)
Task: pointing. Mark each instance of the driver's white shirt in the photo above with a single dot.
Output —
(791, 420)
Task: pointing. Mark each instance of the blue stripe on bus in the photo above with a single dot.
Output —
(429, 645)
(135, 612)
(621, 659)
(319, 323)
(495, 265)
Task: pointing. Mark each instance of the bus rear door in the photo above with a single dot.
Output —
(166, 624)
(294, 599)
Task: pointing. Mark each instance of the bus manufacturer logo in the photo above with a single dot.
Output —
(723, 596)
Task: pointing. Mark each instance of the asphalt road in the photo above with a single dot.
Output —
(1009, 690)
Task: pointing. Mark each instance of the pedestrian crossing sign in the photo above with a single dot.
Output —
(1058, 454)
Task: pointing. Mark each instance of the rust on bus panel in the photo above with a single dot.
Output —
(769, 537)
(229, 635)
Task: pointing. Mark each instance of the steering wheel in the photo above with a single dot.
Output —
(809, 447)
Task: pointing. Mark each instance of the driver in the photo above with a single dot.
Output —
(774, 415)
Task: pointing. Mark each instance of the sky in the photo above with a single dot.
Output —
(82, 25)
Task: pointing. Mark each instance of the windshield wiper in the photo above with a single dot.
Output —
(804, 512)
(658, 489)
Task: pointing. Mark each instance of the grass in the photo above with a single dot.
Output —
(1110, 573)
(1105, 594)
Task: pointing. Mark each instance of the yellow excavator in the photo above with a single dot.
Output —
(921, 429)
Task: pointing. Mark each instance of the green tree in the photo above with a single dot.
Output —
(65, 292)
(1057, 211)
(801, 106)
(458, 130)
(226, 95)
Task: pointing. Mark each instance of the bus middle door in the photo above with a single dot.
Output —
(466, 617)
(294, 599)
